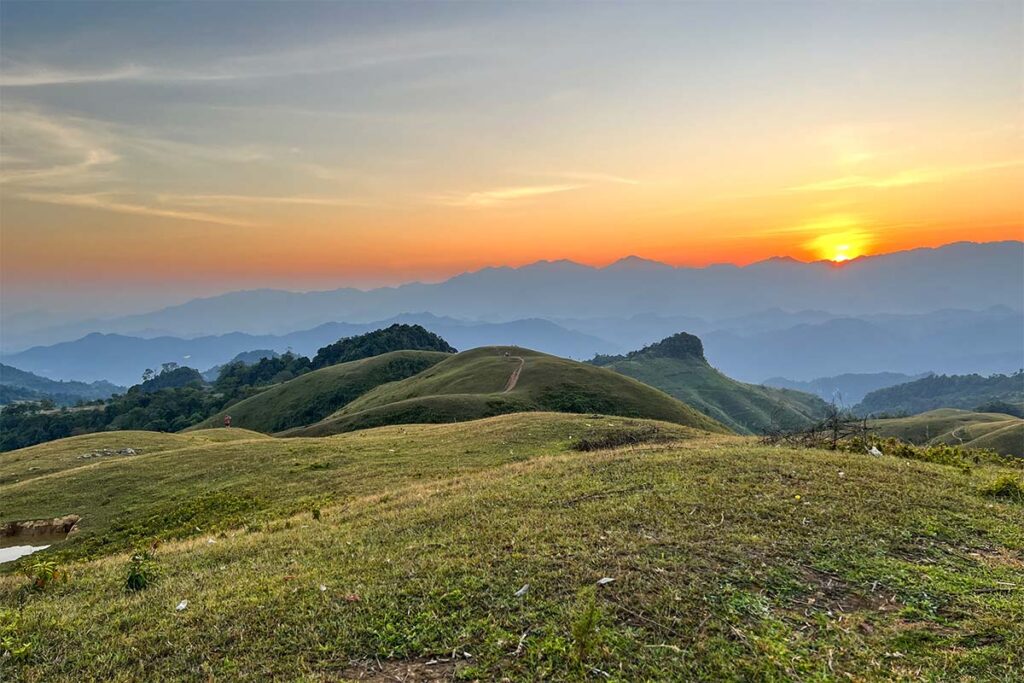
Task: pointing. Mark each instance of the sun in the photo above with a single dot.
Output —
(839, 247)
(841, 253)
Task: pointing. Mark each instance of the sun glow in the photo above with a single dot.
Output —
(839, 247)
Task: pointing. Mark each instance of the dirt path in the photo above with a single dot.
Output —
(513, 379)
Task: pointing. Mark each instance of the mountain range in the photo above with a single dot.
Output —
(963, 275)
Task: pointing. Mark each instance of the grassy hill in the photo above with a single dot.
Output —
(677, 366)
(967, 392)
(472, 385)
(1001, 433)
(315, 395)
(731, 561)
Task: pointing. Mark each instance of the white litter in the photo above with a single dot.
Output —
(323, 588)
(182, 605)
(874, 451)
(522, 591)
(604, 581)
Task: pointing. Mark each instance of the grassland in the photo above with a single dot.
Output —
(471, 385)
(731, 561)
(995, 431)
(315, 395)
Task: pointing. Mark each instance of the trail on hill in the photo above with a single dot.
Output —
(513, 379)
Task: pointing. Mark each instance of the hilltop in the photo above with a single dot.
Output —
(315, 395)
(677, 366)
(514, 544)
(496, 380)
(1001, 433)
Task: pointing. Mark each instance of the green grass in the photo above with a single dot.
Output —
(995, 431)
(732, 561)
(317, 394)
(470, 385)
(744, 408)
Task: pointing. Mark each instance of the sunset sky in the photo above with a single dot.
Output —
(153, 152)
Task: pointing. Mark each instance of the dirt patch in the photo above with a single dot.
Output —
(39, 527)
(406, 670)
(998, 557)
(829, 592)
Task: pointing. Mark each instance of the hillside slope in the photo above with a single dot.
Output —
(488, 539)
(479, 383)
(677, 366)
(315, 395)
(1001, 433)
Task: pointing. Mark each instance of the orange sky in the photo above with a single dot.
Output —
(361, 147)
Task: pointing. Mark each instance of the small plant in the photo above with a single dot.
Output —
(584, 626)
(1007, 486)
(44, 573)
(11, 644)
(142, 571)
(316, 514)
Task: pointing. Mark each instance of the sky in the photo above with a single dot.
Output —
(152, 152)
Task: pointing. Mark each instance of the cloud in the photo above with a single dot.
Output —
(597, 178)
(39, 150)
(330, 57)
(901, 179)
(21, 75)
(108, 202)
(505, 195)
(237, 199)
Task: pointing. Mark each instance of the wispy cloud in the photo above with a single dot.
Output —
(40, 150)
(906, 178)
(597, 178)
(329, 57)
(108, 202)
(243, 200)
(505, 195)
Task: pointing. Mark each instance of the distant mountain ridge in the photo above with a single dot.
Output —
(846, 389)
(967, 392)
(961, 275)
(33, 387)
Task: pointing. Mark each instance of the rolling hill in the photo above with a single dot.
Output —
(501, 379)
(315, 395)
(1001, 433)
(375, 555)
(677, 366)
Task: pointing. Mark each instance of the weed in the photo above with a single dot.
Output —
(13, 646)
(584, 626)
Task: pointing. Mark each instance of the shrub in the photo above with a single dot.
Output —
(45, 572)
(142, 571)
(626, 436)
(1006, 486)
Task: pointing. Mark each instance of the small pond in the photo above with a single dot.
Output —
(18, 539)
(13, 547)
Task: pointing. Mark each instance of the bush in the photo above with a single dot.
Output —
(626, 436)
(44, 573)
(142, 571)
(1006, 486)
